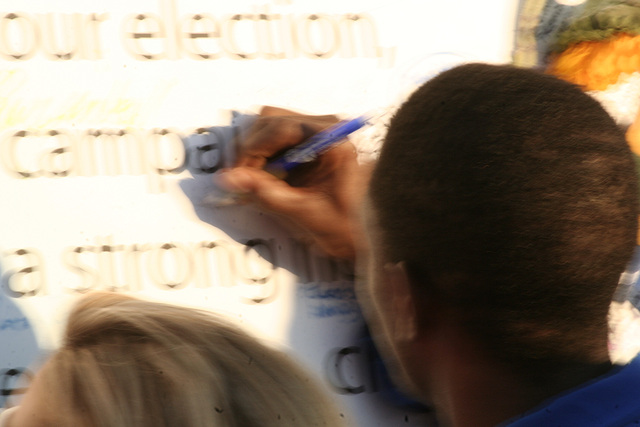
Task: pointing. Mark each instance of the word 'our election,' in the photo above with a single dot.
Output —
(166, 34)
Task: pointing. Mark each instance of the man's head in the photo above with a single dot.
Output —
(510, 197)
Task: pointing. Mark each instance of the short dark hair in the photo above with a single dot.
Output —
(512, 194)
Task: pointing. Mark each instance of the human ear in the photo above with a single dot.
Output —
(403, 319)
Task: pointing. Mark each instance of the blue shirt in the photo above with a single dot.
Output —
(610, 400)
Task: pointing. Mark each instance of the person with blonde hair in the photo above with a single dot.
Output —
(130, 362)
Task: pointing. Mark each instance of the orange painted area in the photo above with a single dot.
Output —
(597, 64)
(633, 135)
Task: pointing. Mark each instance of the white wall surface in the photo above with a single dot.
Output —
(100, 161)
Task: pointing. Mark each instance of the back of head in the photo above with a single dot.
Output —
(512, 196)
(128, 362)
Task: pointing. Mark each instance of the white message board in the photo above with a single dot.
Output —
(112, 120)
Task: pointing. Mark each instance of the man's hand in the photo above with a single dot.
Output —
(321, 197)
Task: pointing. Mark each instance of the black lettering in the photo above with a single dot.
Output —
(199, 31)
(107, 263)
(367, 36)
(73, 261)
(302, 261)
(53, 163)
(270, 40)
(132, 266)
(334, 270)
(253, 260)
(85, 153)
(110, 152)
(209, 253)
(230, 44)
(68, 45)
(206, 158)
(10, 378)
(19, 36)
(319, 36)
(27, 280)
(91, 38)
(252, 247)
(11, 159)
(174, 256)
(334, 370)
(169, 12)
(109, 141)
(145, 29)
(169, 152)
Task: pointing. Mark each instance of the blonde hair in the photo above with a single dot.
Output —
(129, 362)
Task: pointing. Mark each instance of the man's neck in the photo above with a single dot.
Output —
(471, 390)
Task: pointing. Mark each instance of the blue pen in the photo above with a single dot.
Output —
(309, 150)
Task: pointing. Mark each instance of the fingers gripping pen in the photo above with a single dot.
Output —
(306, 152)
(309, 150)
